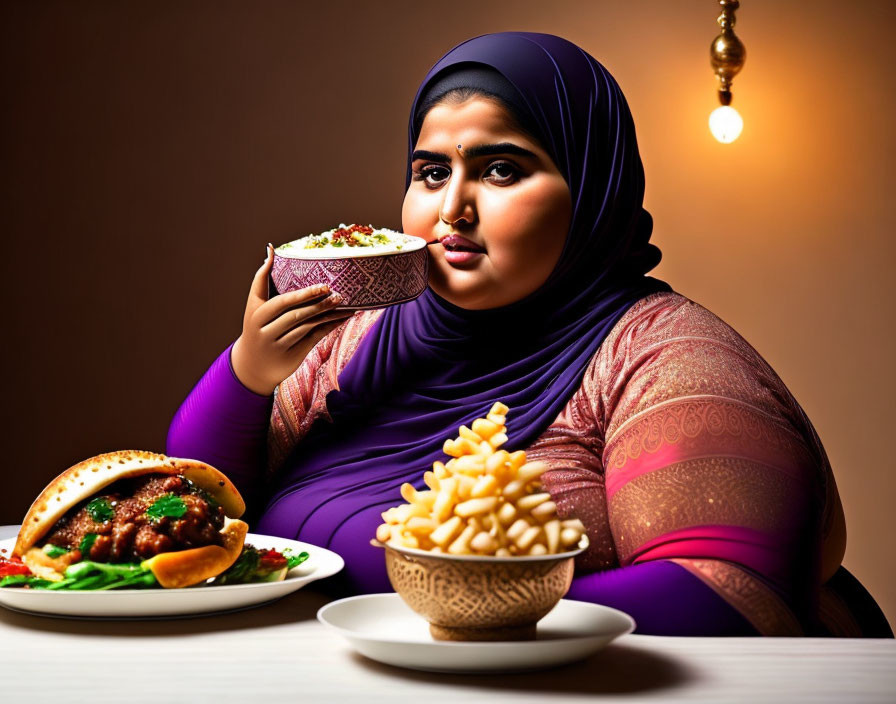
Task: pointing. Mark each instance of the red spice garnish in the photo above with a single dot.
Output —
(345, 234)
(13, 565)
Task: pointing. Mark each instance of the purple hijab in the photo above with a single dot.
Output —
(427, 366)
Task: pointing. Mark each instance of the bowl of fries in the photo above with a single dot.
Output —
(481, 553)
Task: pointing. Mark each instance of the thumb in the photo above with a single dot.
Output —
(259, 289)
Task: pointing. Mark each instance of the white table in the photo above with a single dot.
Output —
(279, 652)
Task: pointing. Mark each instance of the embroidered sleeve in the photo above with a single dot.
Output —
(708, 464)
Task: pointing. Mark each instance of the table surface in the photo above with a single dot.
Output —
(281, 651)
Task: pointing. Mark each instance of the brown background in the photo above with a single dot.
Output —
(149, 151)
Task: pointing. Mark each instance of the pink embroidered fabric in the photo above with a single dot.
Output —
(682, 444)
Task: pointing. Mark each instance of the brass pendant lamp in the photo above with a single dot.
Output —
(726, 55)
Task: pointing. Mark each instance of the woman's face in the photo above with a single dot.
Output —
(498, 205)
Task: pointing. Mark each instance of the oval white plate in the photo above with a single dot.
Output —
(162, 603)
(383, 627)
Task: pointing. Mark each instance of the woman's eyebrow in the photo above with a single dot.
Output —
(475, 151)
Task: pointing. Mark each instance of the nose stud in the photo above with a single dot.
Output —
(459, 146)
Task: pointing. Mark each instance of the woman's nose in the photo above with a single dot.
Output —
(457, 203)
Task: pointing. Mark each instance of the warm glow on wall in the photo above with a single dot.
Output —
(726, 55)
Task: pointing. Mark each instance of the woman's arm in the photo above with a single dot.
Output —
(223, 423)
(708, 466)
(664, 599)
(224, 419)
(710, 491)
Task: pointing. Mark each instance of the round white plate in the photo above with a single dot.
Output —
(383, 627)
(166, 603)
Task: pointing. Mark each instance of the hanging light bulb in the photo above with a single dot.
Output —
(726, 124)
(726, 55)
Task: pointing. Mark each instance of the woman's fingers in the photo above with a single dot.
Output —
(276, 306)
(258, 291)
(304, 319)
(261, 358)
(301, 311)
(310, 333)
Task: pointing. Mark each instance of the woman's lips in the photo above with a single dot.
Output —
(460, 250)
(455, 243)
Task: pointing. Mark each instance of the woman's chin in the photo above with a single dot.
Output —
(467, 298)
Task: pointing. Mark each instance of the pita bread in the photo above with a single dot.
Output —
(184, 568)
(91, 476)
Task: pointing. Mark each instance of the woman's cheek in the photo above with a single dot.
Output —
(415, 213)
(408, 220)
(526, 241)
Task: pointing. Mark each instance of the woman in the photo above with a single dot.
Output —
(707, 497)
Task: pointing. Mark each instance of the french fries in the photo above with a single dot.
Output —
(482, 501)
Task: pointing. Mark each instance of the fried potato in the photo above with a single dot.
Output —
(482, 501)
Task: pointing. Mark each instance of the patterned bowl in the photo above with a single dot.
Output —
(476, 597)
(364, 279)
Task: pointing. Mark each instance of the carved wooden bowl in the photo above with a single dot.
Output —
(364, 280)
(474, 597)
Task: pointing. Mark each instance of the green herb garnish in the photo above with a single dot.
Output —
(86, 544)
(169, 505)
(292, 558)
(242, 570)
(254, 565)
(54, 550)
(101, 510)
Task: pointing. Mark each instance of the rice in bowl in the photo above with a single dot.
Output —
(369, 267)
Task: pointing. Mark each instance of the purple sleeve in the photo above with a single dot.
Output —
(664, 599)
(224, 424)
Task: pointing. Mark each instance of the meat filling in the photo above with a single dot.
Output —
(137, 518)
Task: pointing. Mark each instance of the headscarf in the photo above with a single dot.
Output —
(485, 80)
(428, 366)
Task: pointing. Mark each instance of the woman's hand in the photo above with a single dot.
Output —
(279, 333)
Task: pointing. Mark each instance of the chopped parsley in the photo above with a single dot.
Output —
(54, 550)
(86, 544)
(101, 510)
(351, 236)
(169, 505)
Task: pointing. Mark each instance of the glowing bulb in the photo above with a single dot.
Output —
(725, 124)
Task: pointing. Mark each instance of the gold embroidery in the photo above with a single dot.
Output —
(712, 491)
(712, 423)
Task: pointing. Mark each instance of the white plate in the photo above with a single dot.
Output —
(383, 627)
(162, 603)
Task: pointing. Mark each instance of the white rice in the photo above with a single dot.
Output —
(397, 242)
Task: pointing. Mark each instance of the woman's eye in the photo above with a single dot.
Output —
(500, 172)
(431, 175)
(504, 172)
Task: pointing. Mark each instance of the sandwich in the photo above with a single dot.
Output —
(131, 519)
